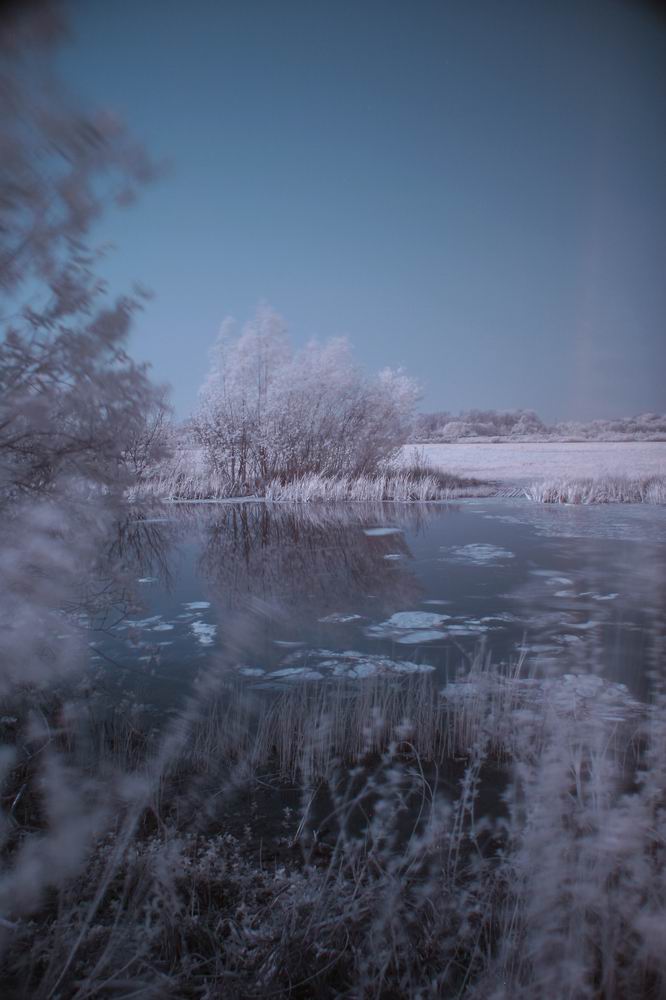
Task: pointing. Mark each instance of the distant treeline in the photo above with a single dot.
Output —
(527, 425)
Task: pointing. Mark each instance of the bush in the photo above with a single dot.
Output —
(269, 413)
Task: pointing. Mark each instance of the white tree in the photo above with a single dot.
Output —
(267, 411)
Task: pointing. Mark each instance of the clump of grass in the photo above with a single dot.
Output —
(606, 489)
(391, 485)
(383, 883)
(387, 486)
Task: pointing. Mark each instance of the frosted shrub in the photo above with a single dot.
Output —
(268, 412)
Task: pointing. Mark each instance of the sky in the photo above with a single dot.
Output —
(473, 190)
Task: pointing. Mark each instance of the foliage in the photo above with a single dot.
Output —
(391, 878)
(526, 425)
(268, 412)
(71, 398)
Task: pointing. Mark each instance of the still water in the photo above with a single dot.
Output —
(284, 594)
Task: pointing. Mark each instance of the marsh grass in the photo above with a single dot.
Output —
(390, 879)
(604, 489)
(403, 485)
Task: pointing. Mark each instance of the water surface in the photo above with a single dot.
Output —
(282, 594)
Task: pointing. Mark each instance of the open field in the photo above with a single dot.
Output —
(523, 462)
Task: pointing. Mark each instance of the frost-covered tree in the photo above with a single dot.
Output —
(267, 411)
(71, 398)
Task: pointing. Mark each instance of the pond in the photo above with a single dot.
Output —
(285, 594)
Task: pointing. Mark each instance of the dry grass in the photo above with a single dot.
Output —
(388, 881)
(392, 485)
(606, 489)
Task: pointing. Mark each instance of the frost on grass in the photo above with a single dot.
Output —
(477, 554)
(603, 489)
(581, 698)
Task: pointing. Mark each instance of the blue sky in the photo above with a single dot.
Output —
(474, 190)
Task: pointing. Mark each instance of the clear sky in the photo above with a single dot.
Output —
(475, 190)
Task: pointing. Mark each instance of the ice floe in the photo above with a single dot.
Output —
(197, 605)
(296, 674)
(415, 619)
(348, 664)
(203, 633)
(423, 635)
(339, 618)
(140, 622)
(578, 697)
(477, 554)
(377, 532)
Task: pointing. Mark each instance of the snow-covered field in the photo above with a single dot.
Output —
(528, 461)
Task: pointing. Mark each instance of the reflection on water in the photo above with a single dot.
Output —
(288, 593)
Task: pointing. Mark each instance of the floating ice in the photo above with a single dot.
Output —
(164, 627)
(350, 664)
(251, 671)
(203, 633)
(147, 579)
(424, 635)
(415, 619)
(339, 618)
(468, 628)
(288, 644)
(393, 555)
(141, 622)
(197, 605)
(296, 673)
(375, 532)
(575, 696)
(477, 554)
(356, 665)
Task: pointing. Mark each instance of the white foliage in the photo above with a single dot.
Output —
(269, 412)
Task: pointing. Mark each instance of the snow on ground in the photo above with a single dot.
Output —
(528, 461)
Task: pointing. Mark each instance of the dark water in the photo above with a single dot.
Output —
(259, 590)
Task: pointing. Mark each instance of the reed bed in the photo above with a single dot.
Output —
(381, 884)
(184, 482)
(605, 489)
